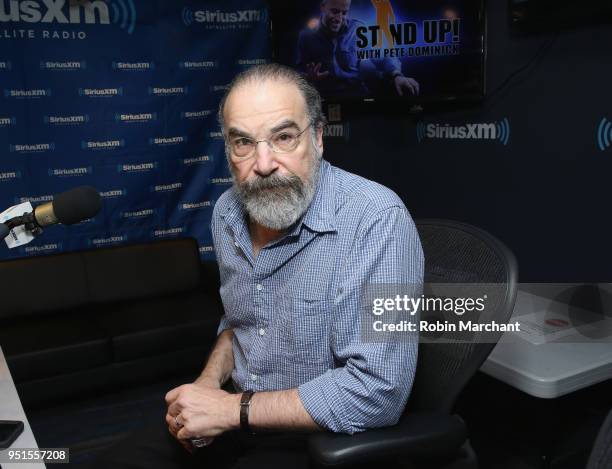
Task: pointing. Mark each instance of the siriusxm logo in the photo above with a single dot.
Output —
(167, 140)
(32, 148)
(102, 144)
(195, 205)
(168, 232)
(604, 134)
(6, 65)
(9, 175)
(49, 247)
(169, 91)
(251, 62)
(138, 213)
(197, 160)
(27, 93)
(221, 181)
(481, 131)
(167, 187)
(54, 11)
(35, 200)
(233, 18)
(196, 114)
(204, 249)
(66, 120)
(218, 134)
(136, 168)
(63, 65)
(100, 92)
(67, 172)
(121, 13)
(218, 88)
(337, 130)
(106, 241)
(6, 121)
(198, 65)
(142, 117)
(113, 194)
(133, 66)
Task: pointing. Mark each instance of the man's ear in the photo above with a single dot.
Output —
(320, 138)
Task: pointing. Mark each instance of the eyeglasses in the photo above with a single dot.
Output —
(283, 141)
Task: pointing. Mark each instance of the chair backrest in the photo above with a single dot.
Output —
(460, 253)
(601, 454)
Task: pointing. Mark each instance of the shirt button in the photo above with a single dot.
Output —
(259, 287)
(254, 377)
(262, 331)
(236, 243)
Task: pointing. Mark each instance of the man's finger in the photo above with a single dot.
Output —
(323, 74)
(172, 395)
(172, 423)
(414, 85)
(174, 408)
(184, 434)
(408, 84)
(398, 88)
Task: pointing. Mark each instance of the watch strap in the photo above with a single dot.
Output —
(245, 404)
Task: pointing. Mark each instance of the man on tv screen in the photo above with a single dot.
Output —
(327, 55)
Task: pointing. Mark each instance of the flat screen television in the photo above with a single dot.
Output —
(384, 50)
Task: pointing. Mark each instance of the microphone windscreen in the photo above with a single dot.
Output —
(76, 205)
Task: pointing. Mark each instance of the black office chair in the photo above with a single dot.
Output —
(601, 454)
(428, 433)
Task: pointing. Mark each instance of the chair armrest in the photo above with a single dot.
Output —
(417, 434)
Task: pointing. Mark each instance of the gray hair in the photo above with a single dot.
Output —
(277, 72)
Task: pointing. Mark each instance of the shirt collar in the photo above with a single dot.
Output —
(320, 214)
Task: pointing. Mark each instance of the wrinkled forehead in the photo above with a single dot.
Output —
(259, 105)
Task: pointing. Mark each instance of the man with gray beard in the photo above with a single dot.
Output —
(298, 241)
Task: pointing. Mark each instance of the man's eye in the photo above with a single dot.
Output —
(284, 137)
(242, 142)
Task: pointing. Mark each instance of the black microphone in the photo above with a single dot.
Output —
(67, 208)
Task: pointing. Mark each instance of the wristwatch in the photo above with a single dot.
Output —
(245, 404)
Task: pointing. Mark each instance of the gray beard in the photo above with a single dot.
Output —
(277, 202)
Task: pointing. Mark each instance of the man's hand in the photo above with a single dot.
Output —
(202, 410)
(314, 73)
(406, 83)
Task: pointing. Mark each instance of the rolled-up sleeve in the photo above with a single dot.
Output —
(371, 384)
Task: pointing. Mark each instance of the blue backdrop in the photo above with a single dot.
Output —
(121, 95)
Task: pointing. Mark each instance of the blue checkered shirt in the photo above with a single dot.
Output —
(294, 308)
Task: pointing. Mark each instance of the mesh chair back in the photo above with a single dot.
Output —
(460, 253)
(601, 455)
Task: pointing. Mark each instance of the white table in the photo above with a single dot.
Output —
(11, 409)
(553, 357)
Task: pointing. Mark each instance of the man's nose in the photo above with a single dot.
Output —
(265, 163)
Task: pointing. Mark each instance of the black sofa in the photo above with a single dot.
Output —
(94, 339)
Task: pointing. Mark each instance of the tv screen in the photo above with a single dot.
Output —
(413, 50)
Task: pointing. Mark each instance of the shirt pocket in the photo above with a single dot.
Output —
(304, 328)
